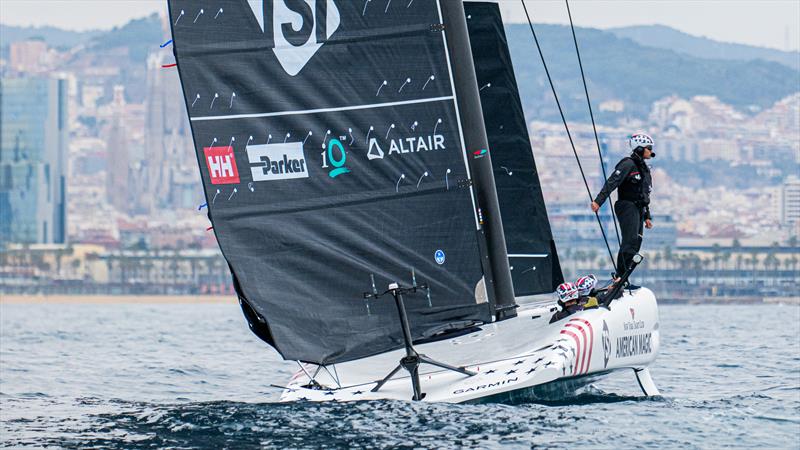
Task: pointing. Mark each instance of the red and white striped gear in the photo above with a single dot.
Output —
(586, 284)
(566, 292)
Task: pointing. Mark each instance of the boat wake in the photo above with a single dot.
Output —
(117, 424)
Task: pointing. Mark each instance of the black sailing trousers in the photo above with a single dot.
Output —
(631, 224)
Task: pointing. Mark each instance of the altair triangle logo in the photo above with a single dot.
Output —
(375, 151)
(298, 28)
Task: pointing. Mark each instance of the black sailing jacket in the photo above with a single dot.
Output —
(632, 177)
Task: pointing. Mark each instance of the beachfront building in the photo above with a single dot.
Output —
(790, 200)
(33, 160)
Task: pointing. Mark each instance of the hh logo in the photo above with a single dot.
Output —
(221, 165)
(277, 161)
(297, 28)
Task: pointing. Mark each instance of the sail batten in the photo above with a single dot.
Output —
(323, 110)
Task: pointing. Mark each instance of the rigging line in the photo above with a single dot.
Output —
(569, 135)
(335, 379)
(311, 378)
(591, 114)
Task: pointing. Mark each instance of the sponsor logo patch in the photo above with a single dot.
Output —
(439, 257)
(296, 29)
(221, 165)
(270, 162)
(635, 345)
(402, 146)
(486, 386)
(479, 153)
(336, 155)
(633, 324)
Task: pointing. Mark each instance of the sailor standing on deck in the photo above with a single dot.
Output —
(632, 178)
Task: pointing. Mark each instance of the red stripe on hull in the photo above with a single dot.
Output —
(591, 339)
(578, 351)
(583, 333)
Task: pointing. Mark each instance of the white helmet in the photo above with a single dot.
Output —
(567, 291)
(640, 140)
(586, 284)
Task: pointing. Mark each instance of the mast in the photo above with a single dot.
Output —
(498, 276)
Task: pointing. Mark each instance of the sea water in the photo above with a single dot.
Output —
(193, 376)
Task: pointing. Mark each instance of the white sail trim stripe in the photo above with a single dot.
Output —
(323, 110)
(528, 255)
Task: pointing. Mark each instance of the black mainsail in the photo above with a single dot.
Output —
(535, 268)
(335, 150)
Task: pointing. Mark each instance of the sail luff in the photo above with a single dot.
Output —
(476, 144)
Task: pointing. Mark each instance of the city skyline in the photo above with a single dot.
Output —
(136, 212)
(771, 24)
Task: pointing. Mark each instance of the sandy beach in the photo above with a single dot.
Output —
(115, 299)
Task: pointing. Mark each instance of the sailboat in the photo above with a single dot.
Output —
(371, 184)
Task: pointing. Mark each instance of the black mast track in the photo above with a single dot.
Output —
(591, 114)
(569, 135)
(499, 285)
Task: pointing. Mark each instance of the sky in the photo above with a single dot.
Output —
(765, 23)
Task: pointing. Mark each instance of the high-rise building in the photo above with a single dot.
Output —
(790, 201)
(118, 187)
(33, 160)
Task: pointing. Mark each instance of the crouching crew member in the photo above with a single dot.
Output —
(632, 179)
(567, 300)
(586, 293)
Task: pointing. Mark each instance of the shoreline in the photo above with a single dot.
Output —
(117, 299)
(231, 299)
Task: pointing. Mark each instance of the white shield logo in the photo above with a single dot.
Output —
(299, 28)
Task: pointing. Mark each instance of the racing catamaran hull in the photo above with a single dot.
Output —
(538, 359)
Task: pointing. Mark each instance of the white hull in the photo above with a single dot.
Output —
(522, 356)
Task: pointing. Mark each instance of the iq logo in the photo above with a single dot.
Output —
(221, 165)
(337, 157)
(439, 257)
(296, 29)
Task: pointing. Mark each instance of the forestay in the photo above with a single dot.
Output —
(330, 149)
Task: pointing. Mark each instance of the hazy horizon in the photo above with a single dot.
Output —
(771, 24)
